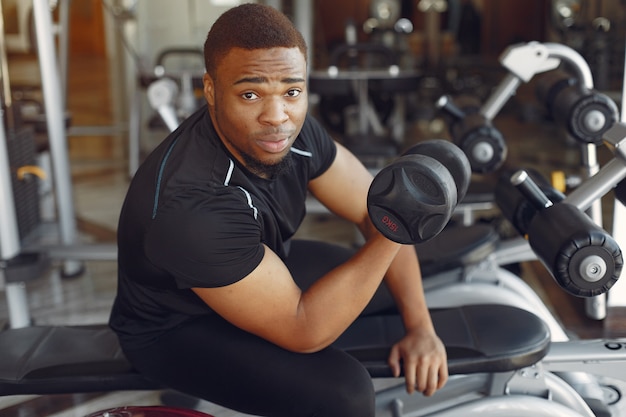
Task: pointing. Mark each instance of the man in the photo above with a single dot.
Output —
(214, 299)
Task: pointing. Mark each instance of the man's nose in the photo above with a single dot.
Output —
(274, 111)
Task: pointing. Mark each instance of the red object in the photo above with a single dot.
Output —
(148, 411)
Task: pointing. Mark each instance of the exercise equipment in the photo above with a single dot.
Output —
(412, 199)
(585, 114)
(598, 357)
(53, 360)
(21, 212)
(523, 62)
(165, 85)
(483, 144)
(512, 204)
(26, 257)
(361, 98)
(452, 157)
(583, 258)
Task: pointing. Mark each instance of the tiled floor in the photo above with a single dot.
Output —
(99, 188)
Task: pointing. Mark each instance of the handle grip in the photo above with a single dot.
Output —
(529, 189)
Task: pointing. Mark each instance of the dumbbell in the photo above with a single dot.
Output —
(482, 143)
(583, 258)
(585, 114)
(412, 199)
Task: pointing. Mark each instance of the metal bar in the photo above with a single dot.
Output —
(9, 234)
(51, 85)
(503, 92)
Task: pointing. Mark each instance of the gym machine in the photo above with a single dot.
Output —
(586, 114)
(23, 260)
(373, 139)
(19, 266)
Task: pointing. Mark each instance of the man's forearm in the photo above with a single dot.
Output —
(404, 280)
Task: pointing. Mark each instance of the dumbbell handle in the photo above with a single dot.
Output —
(529, 188)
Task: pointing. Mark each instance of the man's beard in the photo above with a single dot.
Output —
(264, 169)
(254, 165)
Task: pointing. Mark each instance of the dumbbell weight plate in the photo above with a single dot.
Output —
(412, 199)
(451, 156)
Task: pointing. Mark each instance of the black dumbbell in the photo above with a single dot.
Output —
(412, 199)
(482, 143)
(583, 258)
(449, 155)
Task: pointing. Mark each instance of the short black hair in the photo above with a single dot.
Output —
(250, 26)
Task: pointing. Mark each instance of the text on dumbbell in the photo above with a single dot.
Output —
(391, 225)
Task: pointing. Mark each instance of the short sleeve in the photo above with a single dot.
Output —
(205, 238)
(314, 139)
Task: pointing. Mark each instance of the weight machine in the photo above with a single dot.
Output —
(586, 115)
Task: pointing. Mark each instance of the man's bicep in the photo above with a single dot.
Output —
(264, 302)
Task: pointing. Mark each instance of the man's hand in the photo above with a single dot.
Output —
(423, 356)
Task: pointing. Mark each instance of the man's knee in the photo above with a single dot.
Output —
(351, 394)
(352, 403)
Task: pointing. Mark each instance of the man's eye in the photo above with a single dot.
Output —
(293, 92)
(249, 96)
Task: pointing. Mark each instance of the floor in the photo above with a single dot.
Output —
(99, 184)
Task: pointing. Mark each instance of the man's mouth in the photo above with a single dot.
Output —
(273, 145)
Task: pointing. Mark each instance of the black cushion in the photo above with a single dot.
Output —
(456, 246)
(65, 359)
(478, 338)
(54, 360)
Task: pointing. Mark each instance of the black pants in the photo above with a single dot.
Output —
(211, 359)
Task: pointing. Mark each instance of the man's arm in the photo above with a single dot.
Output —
(343, 189)
(269, 304)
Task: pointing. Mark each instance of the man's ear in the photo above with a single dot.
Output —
(209, 89)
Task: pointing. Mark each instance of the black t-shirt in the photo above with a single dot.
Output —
(194, 217)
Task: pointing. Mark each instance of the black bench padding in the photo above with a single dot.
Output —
(456, 247)
(55, 360)
(478, 338)
(65, 359)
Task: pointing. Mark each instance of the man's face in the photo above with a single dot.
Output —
(258, 102)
